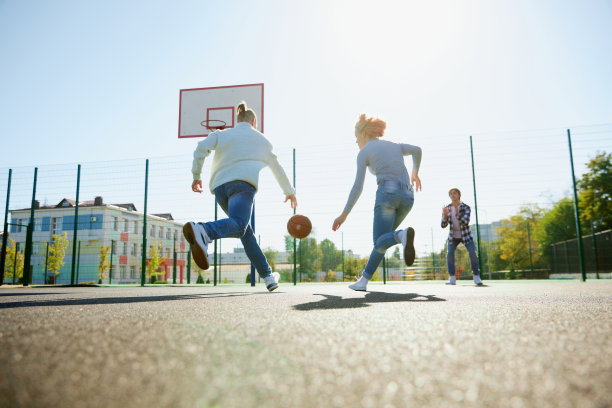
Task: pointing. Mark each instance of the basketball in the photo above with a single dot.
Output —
(299, 226)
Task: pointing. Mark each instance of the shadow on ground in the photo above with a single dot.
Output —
(338, 302)
(114, 300)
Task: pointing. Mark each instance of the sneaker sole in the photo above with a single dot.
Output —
(409, 253)
(199, 255)
(358, 290)
(272, 287)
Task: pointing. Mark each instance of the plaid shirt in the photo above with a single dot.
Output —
(463, 217)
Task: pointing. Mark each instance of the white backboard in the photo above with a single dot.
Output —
(217, 103)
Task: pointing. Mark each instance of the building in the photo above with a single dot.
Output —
(488, 232)
(99, 224)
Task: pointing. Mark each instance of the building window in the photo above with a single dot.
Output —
(37, 224)
(161, 232)
(133, 272)
(134, 249)
(115, 224)
(123, 272)
(126, 225)
(136, 227)
(36, 248)
(56, 225)
(124, 248)
(152, 230)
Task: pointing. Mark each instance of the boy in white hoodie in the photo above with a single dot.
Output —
(240, 154)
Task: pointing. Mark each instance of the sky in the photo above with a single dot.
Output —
(97, 83)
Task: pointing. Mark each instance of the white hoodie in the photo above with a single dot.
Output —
(240, 153)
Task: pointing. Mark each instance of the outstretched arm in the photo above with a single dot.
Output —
(354, 194)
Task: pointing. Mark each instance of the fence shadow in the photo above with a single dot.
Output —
(114, 300)
(338, 302)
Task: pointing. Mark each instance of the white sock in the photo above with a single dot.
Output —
(401, 236)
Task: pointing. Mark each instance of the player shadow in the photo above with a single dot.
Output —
(114, 300)
(338, 302)
(28, 294)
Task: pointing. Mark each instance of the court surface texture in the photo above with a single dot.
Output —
(507, 344)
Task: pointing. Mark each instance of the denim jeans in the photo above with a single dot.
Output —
(236, 199)
(393, 203)
(450, 256)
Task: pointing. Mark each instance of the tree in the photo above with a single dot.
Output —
(104, 262)
(271, 255)
(394, 261)
(353, 265)
(155, 260)
(596, 192)
(14, 264)
(309, 257)
(515, 238)
(331, 257)
(556, 225)
(57, 252)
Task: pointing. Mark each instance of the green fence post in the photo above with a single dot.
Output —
(594, 239)
(78, 263)
(46, 258)
(29, 233)
(110, 269)
(189, 262)
(476, 208)
(576, 210)
(5, 235)
(75, 229)
(384, 268)
(143, 264)
(174, 263)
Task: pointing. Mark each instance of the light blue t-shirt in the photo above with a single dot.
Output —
(386, 161)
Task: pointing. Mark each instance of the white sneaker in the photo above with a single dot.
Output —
(477, 280)
(451, 280)
(271, 281)
(198, 239)
(361, 285)
(407, 238)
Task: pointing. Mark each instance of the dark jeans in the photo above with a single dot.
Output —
(450, 256)
(236, 199)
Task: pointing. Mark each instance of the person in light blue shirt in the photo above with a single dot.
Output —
(394, 196)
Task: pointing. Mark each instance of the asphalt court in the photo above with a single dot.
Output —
(508, 344)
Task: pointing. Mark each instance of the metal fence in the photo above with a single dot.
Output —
(597, 254)
(132, 205)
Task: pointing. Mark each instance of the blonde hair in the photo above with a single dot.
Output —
(371, 127)
(245, 114)
(454, 189)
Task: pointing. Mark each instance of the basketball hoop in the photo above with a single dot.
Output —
(213, 124)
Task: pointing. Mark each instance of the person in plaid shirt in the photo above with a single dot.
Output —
(457, 215)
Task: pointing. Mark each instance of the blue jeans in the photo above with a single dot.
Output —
(393, 203)
(450, 256)
(236, 199)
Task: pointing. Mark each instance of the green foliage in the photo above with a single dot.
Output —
(14, 264)
(395, 261)
(331, 257)
(200, 278)
(271, 256)
(104, 262)
(596, 192)
(57, 252)
(154, 262)
(516, 234)
(556, 225)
